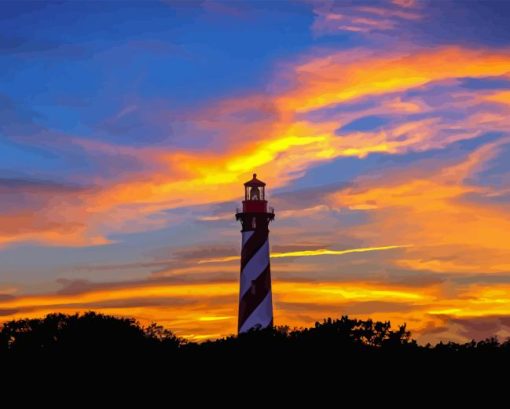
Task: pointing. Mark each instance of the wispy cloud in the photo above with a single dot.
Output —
(284, 144)
(449, 233)
(364, 16)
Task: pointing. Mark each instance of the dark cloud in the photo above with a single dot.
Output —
(127, 303)
(6, 297)
(480, 22)
(472, 328)
(486, 278)
(486, 199)
(7, 312)
(305, 197)
(373, 307)
(164, 261)
(412, 278)
(348, 269)
(306, 307)
(364, 124)
(197, 253)
(25, 198)
(284, 248)
(343, 308)
(28, 185)
(431, 22)
(80, 286)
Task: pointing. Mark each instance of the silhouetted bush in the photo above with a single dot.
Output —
(92, 334)
(86, 334)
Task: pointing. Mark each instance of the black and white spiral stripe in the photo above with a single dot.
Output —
(255, 298)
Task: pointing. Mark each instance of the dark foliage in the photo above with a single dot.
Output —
(85, 334)
(97, 335)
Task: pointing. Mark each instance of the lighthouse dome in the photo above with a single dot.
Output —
(255, 182)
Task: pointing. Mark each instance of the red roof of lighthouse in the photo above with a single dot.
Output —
(255, 182)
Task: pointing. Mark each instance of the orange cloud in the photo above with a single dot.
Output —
(427, 209)
(345, 76)
(281, 146)
(25, 226)
(502, 97)
(285, 146)
(208, 310)
(195, 310)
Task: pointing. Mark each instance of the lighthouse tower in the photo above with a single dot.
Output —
(255, 298)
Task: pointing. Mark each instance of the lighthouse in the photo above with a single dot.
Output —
(255, 297)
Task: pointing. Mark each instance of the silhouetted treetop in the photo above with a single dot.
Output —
(89, 334)
(83, 333)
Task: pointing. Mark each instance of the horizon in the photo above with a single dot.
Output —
(380, 127)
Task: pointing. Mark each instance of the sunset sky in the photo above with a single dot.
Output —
(382, 130)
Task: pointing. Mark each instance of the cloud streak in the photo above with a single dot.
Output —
(309, 253)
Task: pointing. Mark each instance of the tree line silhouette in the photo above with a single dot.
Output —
(95, 334)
